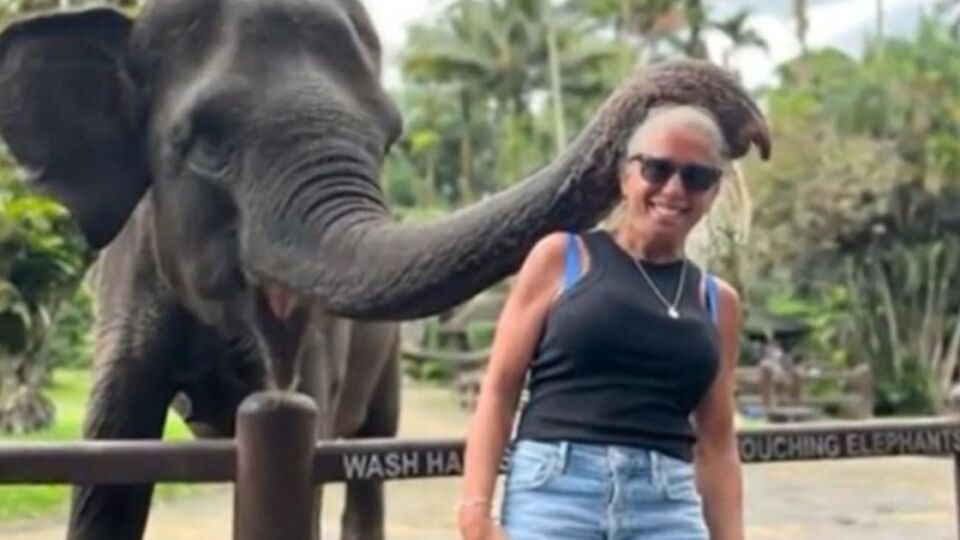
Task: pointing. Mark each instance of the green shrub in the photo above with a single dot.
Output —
(911, 393)
(70, 342)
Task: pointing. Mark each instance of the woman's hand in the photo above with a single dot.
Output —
(476, 524)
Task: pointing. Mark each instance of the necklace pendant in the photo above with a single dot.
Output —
(672, 312)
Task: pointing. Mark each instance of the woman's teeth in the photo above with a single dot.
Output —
(667, 211)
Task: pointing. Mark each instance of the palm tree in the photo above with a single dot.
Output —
(803, 23)
(462, 52)
(637, 25)
(697, 22)
(500, 53)
(880, 20)
(741, 36)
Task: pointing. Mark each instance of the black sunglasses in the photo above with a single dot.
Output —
(659, 171)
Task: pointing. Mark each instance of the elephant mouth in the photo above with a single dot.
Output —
(279, 322)
(279, 300)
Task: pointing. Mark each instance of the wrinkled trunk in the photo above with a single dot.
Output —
(356, 262)
(366, 266)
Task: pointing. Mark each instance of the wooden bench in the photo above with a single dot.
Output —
(759, 388)
(467, 384)
(784, 415)
(856, 395)
(446, 339)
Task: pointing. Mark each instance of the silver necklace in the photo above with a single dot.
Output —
(671, 306)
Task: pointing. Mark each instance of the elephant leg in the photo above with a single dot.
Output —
(128, 401)
(363, 515)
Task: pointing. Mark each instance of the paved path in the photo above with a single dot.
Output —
(880, 499)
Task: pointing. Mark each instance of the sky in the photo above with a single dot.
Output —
(840, 23)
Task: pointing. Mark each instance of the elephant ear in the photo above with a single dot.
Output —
(70, 116)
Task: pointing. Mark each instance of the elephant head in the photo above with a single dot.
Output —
(257, 130)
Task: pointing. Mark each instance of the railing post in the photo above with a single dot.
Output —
(274, 492)
(956, 488)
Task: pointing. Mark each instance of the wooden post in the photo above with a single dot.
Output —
(274, 493)
(956, 488)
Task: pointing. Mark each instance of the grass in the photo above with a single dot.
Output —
(69, 393)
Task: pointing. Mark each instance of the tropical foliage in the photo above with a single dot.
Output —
(855, 221)
(858, 218)
(42, 261)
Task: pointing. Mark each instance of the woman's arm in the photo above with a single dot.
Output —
(717, 459)
(517, 329)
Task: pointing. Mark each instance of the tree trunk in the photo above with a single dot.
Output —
(951, 358)
(930, 305)
(429, 185)
(25, 409)
(556, 88)
(696, 19)
(626, 21)
(800, 14)
(865, 321)
(880, 20)
(621, 35)
(465, 178)
(942, 305)
(890, 317)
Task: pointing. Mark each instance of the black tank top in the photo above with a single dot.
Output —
(611, 367)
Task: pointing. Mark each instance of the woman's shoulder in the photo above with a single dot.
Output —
(539, 272)
(549, 251)
(552, 249)
(728, 303)
(725, 291)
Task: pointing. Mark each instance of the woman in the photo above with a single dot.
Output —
(628, 432)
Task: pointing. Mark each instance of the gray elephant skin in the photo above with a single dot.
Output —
(223, 157)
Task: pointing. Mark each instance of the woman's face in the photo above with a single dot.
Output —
(670, 182)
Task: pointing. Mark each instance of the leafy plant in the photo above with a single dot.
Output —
(43, 261)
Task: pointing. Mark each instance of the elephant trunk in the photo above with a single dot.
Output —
(358, 263)
(364, 265)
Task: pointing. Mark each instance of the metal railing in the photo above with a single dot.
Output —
(275, 461)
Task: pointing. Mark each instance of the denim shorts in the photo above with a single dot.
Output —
(573, 491)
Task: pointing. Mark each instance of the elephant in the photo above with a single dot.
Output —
(222, 158)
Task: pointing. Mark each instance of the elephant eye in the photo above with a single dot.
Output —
(200, 142)
(207, 157)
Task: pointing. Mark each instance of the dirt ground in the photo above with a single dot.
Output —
(877, 499)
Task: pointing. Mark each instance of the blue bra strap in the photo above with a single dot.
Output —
(572, 267)
(711, 283)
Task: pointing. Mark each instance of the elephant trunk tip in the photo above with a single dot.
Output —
(759, 134)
